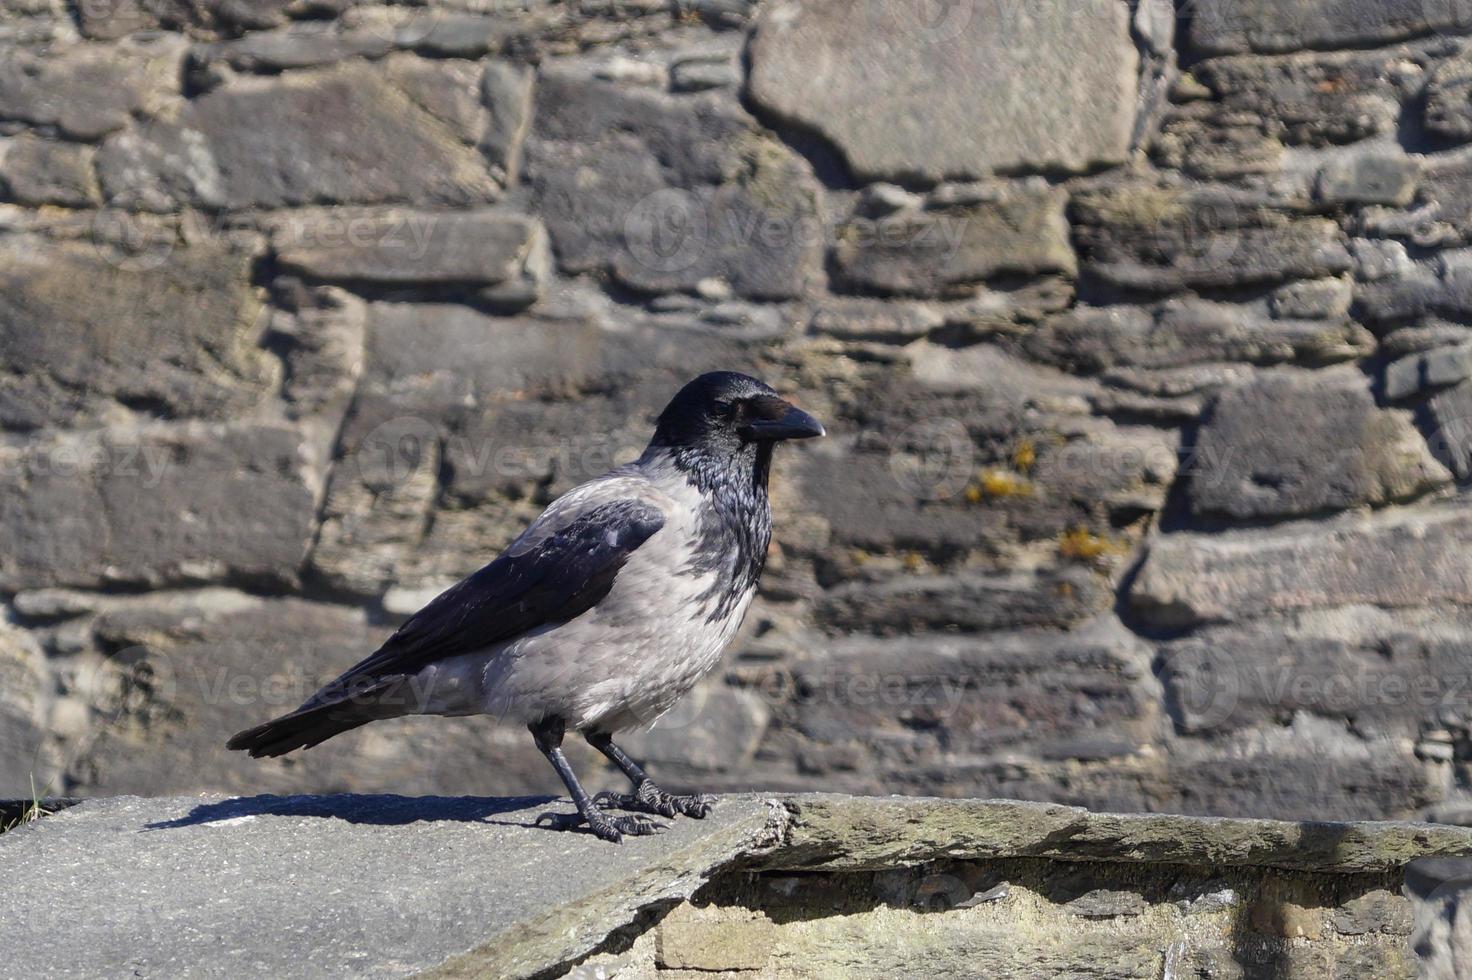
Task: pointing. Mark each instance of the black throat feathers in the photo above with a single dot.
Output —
(734, 526)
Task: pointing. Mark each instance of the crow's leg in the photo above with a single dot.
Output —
(647, 797)
(548, 735)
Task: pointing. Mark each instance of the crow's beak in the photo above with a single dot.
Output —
(793, 423)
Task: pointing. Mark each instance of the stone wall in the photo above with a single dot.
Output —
(1140, 332)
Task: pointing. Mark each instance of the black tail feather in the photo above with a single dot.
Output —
(309, 726)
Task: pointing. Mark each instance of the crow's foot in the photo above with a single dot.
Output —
(649, 798)
(603, 826)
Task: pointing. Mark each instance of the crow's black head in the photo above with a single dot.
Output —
(725, 413)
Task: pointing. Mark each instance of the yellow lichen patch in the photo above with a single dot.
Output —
(1081, 544)
(912, 561)
(1024, 456)
(995, 483)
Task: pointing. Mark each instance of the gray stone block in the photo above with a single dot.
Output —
(1188, 579)
(258, 143)
(1368, 180)
(157, 505)
(1166, 239)
(1427, 370)
(1290, 25)
(1313, 99)
(690, 189)
(1450, 437)
(1449, 100)
(1021, 94)
(166, 329)
(1190, 332)
(988, 692)
(1314, 299)
(309, 45)
(1442, 930)
(468, 249)
(949, 250)
(1387, 672)
(39, 172)
(84, 92)
(1288, 444)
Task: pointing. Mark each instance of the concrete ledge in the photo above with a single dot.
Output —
(459, 887)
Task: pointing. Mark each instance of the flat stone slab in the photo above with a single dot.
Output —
(335, 886)
(834, 832)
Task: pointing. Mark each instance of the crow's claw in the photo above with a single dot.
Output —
(649, 798)
(603, 826)
(559, 821)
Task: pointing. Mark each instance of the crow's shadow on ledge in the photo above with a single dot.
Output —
(379, 808)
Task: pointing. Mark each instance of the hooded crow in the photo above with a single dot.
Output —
(601, 615)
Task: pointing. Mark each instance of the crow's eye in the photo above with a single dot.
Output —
(725, 408)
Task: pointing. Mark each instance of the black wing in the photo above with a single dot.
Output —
(548, 576)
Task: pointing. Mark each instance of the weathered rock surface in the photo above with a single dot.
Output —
(1294, 777)
(1082, 918)
(1166, 238)
(1313, 299)
(1035, 688)
(913, 604)
(477, 249)
(33, 21)
(940, 250)
(1262, 25)
(1449, 100)
(24, 682)
(1443, 217)
(835, 832)
(507, 92)
(39, 172)
(86, 92)
(1291, 444)
(915, 480)
(689, 189)
(1413, 295)
(1428, 370)
(1437, 887)
(167, 331)
(218, 501)
(1383, 671)
(1189, 579)
(1450, 435)
(257, 143)
(1303, 100)
(308, 45)
(112, 20)
(1388, 180)
(1173, 335)
(1022, 95)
